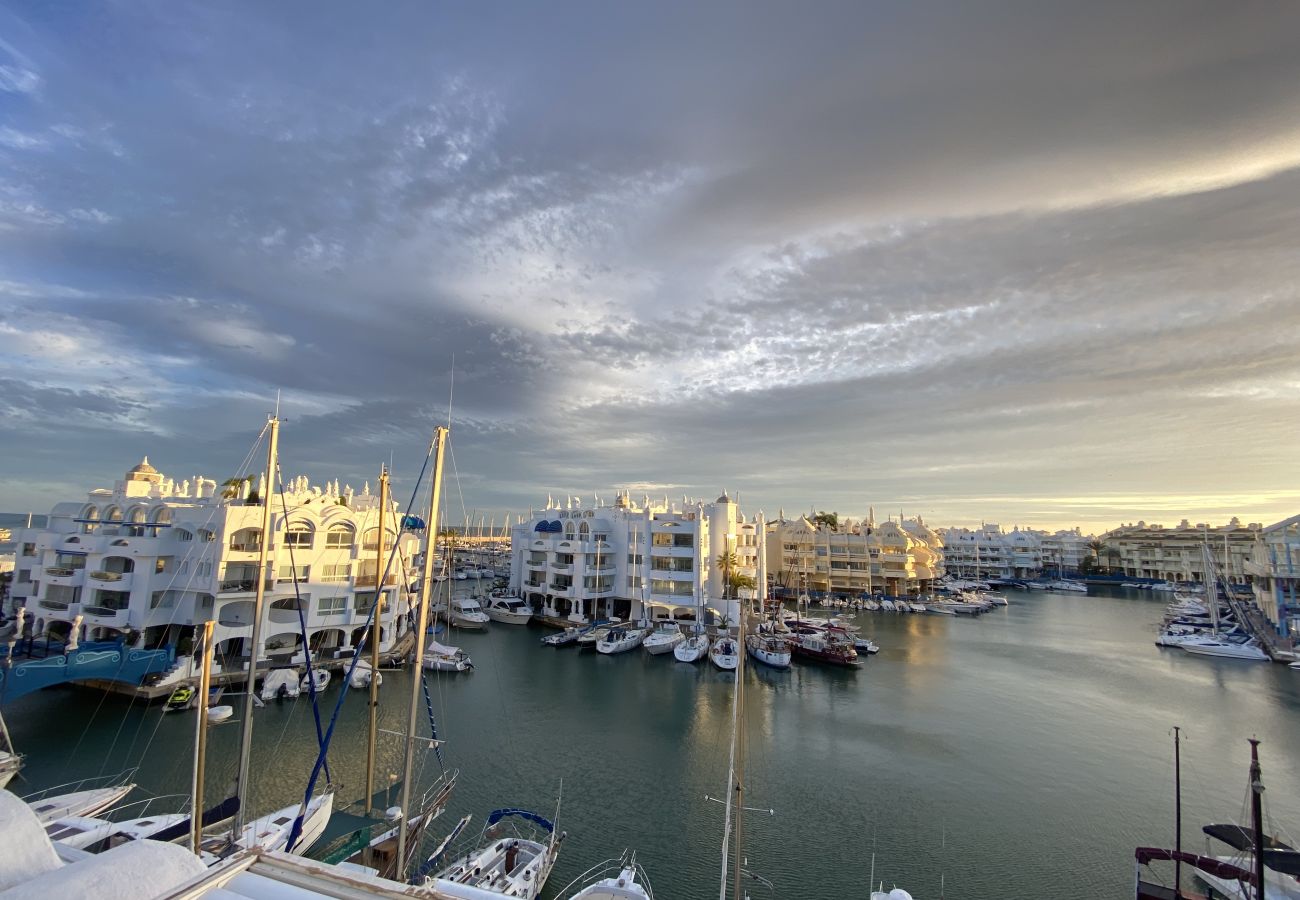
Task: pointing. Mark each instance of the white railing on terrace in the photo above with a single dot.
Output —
(101, 575)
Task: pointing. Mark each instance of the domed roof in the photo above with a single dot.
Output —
(142, 468)
(723, 499)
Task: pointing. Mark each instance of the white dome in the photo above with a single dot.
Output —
(899, 894)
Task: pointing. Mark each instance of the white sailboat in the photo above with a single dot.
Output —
(10, 760)
(767, 646)
(724, 652)
(622, 639)
(440, 657)
(500, 865)
(628, 881)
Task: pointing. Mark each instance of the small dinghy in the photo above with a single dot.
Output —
(320, 676)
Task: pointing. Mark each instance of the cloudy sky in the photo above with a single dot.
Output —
(1026, 262)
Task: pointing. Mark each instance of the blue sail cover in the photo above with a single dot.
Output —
(412, 523)
(499, 814)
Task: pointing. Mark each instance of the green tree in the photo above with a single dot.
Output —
(829, 519)
(732, 578)
(233, 488)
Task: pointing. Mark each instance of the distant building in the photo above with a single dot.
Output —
(657, 560)
(1274, 570)
(854, 557)
(989, 552)
(152, 557)
(1176, 554)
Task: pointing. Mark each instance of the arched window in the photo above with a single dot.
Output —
(113, 514)
(207, 536)
(89, 519)
(340, 535)
(370, 540)
(246, 540)
(136, 521)
(568, 530)
(584, 530)
(182, 535)
(298, 534)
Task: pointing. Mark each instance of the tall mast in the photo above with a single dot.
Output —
(259, 600)
(1257, 815)
(1178, 819)
(737, 890)
(201, 737)
(422, 622)
(375, 627)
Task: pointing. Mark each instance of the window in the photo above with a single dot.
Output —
(363, 600)
(332, 606)
(24, 576)
(601, 538)
(183, 535)
(635, 559)
(683, 540)
(661, 563)
(338, 536)
(661, 539)
(298, 535)
(29, 549)
(206, 536)
(337, 572)
(287, 573)
(634, 582)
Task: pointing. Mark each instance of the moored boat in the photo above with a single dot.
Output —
(624, 879)
(829, 645)
(445, 658)
(724, 653)
(622, 639)
(664, 638)
(694, 648)
(508, 609)
(769, 650)
(465, 612)
(563, 638)
(515, 866)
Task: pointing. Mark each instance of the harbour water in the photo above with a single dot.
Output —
(1022, 754)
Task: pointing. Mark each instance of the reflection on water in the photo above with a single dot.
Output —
(1021, 753)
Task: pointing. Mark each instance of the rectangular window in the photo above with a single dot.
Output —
(634, 582)
(183, 567)
(683, 540)
(339, 538)
(24, 576)
(337, 572)
(661, 586)
(635, 559)
(70, 561)
(363, 600)
(332, 606)
(183, 535)
(661, 563)
(683, 564)
(661, 539)
(297, 538)
(287, 573)
(29, 549)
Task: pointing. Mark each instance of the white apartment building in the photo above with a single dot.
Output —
(152, 557)
(855, 557)
(1175, 554)
(988, 552)
(1274, 571)
(655, 560)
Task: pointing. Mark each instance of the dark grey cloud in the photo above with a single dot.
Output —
(1020, 259)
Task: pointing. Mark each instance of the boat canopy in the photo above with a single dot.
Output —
(412, 523)
(224, 810)
(1239, 837)
(498, 814)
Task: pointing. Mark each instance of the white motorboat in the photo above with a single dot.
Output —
(871, 605)
(445, 658)
(77, 803)
(1294, 665)
(362, 674)
(694, 647)
(887, 605)
(569, 635)
(590, 637)
(920, 607)
(280, 684)
(664, 639)
(998, 599)
(725, 653)
(320, 676)
(622, 639)
(1064, 584)
(502, 866)
(219, 714)
(508, 610)
(1226, 649)
(769, 650)
(627, 881)
(466, 613)
(939, 608)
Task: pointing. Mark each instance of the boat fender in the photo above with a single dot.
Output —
(393, 813)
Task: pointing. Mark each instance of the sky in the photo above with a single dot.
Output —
(1021, 262)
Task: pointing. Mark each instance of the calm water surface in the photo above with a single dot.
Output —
(1018, 755)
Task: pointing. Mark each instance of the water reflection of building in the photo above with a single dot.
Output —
(154, 556)
(654, 559)
(854, 557)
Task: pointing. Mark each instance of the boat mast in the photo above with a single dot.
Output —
(1257, 815)
(1178, 819)
(374, 645)
(201, 737)
(737, 891)
(422, 620)
(259, 600)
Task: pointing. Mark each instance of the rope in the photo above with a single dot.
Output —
(382, 577)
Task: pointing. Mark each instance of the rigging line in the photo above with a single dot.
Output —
(302, 619)
(296, 830)
(131, 701)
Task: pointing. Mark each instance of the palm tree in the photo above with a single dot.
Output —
(731, 579)
(1098, 547)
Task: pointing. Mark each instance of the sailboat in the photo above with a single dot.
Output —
(628, 881)
(10, 760)
(766, 646)
(696, 644)
(499, 865)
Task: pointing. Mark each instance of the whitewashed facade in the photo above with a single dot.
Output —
(152, 557)
(1175, 554)
(856, 557)
(989, 552)
(652, 560)
(1274, 570)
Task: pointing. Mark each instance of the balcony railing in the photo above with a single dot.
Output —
(100, 575)
(241, 585)
(562, 567)
(103, 611)
(53, 604)
(369, 580)
(246, 547)
(60, 571)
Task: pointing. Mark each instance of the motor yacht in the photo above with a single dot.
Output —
(466, 613)
(508, 609)
(664, 639)
(569, 635)
(1226, 648)
(590, 637)
(320, 676)
(830, 645)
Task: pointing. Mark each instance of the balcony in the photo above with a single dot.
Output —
(56, 605)
(369, 580)
(245, 547)
(600, 570)
(105, 615)
(100, 575)
(562, 567)
(241, 585)
(61, 571)
(536, 563)
(561, 590)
